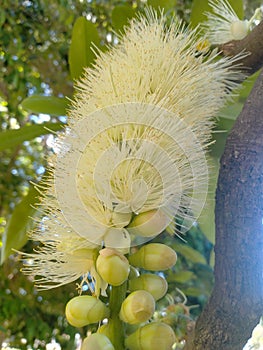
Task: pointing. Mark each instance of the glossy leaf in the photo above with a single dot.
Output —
(195, 292)
(206, 219)
(162, 4)
(121, 15)
(199, 7)
(238, 7)
(224, 125)
(14, 137)
(84, 37)
(189, 253)
(247, 86)
(46, 104)
(15, 235)
(183, 276)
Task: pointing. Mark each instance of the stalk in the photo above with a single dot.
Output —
(116, 326)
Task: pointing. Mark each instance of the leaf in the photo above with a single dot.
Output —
(162, 4)
(199, 7)
(238, 7)
(224, 125)
(84, 37)
(189, 253)
(46, 104)
(121, 15)
(247, 86)
(183, 276)
(206, 219)
(13, 138)
(231, 111)
(195, 292)
(19, 224)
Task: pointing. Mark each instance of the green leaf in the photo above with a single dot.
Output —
(183, 276)
(189, 253)
(15, 235)
(195, 292)
(238, 7)
(46, 104)
(13, 138)
(206, 219)
(162, 4)
(231, 111)
(247, 86)
(224, 125)
(199, 7)
(121, 15)
(84, 37)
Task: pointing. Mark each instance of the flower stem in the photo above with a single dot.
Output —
(116, 326)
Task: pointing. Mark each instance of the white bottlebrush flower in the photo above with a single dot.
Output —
(125, 160)
(256, 340)
(158, 64)
(135, 142)
(223, 24)
(63, 257)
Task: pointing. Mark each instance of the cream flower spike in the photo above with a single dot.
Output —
(124, 161)
(223, 24)
(156, 63)
(133, 154)
(256, 340)
(62, 258)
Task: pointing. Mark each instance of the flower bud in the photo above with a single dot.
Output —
(112, 266)
(85, 309)
(97, 341)
(105, 329)
(120, 219)
(239, 29)
(154, 336)
(153, 284)
(257, 334)
(154, 257)
(138, 307)
(133, 273)
(149, 223)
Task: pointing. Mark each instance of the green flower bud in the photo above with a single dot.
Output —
(138, 307)
(85, 309)
(121, 219)
(149, 223)
(154, 336)
(133, 272)
(154, 257)
(105, 329)
(112, 266)
(97, 341)
(153, 284)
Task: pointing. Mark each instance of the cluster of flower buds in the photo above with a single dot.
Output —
(138, 308)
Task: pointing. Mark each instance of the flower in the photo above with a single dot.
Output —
(224, 25)
(139, 124)
(256, 340)
(126, 160)
(62, 257)
(157, 64)
(134, 145)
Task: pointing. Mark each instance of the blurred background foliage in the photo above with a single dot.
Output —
(43, 48)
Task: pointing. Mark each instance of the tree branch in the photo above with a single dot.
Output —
(236, 303)
(252, 43)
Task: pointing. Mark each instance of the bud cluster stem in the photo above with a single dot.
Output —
(117, 296)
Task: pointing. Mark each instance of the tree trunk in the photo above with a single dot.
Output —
(236, 303)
